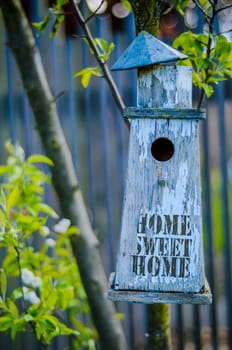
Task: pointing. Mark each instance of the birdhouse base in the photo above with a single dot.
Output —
(153, 297)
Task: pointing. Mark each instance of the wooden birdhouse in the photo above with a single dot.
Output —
(160, 257)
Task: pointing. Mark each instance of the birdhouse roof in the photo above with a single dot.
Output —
(146, 50)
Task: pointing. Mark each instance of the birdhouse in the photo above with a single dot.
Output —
(160, 256)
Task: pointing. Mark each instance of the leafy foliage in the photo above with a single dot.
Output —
(211, 64)
(209, 55)
(180, 5)
(54, 15)
(105, 51)
(49, 278)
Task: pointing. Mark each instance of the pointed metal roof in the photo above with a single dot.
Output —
(146, 50)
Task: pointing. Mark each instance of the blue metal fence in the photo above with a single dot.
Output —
(98, 140)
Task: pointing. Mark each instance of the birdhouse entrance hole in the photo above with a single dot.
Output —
(162, 149)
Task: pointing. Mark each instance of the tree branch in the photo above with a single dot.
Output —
(224, 32)
(223, 8)
(101, 62)
(84, 245)
(206, 16)
(146, 15)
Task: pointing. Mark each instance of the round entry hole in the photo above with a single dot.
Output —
(162, 149)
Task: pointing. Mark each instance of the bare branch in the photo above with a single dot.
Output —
(206, 16)
(223, 8)
(225, 32)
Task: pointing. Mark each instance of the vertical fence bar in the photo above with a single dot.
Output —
(88, 134)
(179, 327)
(209, 230)
(104, 125)
(71, 110)
(197, 327)
(225, 208)
(10, 94)
(119, 123)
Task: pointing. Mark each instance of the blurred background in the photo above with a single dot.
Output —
(98, 139)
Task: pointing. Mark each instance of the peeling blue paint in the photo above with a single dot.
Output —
(146, 50)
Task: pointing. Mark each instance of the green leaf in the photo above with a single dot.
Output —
(10, 264)
(127, 5)
(49, 326)
(208, 89)
(39, 158)
(105, 48)
(56, 25)
(48, 297)
(86, 79)
(18, 325)
(17, 294)
(101, 43)
(5, 323)
(13, 198)
(208, 9)
(87, 73)
(29, 227)
(61, 3)
(119, 316)
(25, 219)
(72, 230)
(4, 169)
(181, 5)
(3, 283)
(44, 208)
(3, 220)
(202, 3)
(65, 296)
(91, 344)
(40, 26)
(9, 147)
(12, 308)
(27, 317)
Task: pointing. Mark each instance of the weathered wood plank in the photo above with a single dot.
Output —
(152, 297)
(164, 113)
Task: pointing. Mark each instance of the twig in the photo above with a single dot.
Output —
(32, 325)
(223, 8)
(20, 277)
(101, 62)
(94, 13)
(224, 32)
(207, 18)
